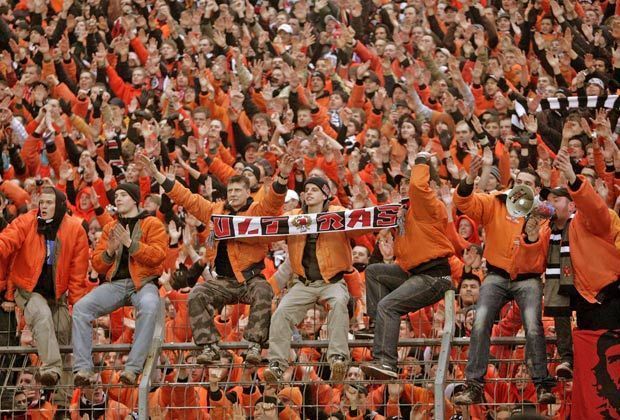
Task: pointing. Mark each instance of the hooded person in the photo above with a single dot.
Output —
(130, 254)
(84, 208)
(49, 250)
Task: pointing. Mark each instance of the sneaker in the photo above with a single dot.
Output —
(253, 355)
(338, 366)
(48, 378)
(545, 396)
(564, 370)
(273, 373)
(471, 395)
(128, 377)
(379, 371)
(366, 333)
(210, 354)
(84, 378)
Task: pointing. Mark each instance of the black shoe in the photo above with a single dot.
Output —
(367, 333)
(273, 374)
(380, 371)
(564, 370)
(544, 394)
(471, 395)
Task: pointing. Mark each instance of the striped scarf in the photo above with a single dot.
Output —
(564, 104)
(559, 283)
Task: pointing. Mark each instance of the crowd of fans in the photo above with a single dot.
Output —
(126, 124)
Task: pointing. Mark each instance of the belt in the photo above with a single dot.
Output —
(334, 279)
(253, 271)
(437, 267)
(503, 273)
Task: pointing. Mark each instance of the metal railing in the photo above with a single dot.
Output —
(444, 355)
(445, 343)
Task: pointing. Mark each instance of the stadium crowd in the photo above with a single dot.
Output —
(125, 125)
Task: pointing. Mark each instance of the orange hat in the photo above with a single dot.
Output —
(291, 393)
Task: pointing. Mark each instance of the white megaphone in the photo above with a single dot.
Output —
(521, 201)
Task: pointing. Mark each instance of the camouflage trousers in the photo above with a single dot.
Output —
(211, 296)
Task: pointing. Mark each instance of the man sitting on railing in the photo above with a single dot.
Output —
(130, 253)
(421, 274)
(321, 263)
(501, 230)
(238, 263)
(49, 249)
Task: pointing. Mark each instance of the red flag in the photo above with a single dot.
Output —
(596, 383)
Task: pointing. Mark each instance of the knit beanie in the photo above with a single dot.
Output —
(321, 183)
(132, 189)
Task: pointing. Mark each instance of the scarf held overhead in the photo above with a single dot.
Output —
(379, 217)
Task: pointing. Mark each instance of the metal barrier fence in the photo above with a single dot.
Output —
(427, 366)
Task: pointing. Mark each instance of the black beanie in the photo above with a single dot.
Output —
(132, 189)
(254, 169)
(321, 183)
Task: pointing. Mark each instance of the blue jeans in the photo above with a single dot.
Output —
(495, 292)
(392, 293)
(105, 299)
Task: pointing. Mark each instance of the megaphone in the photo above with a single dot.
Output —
(521, 201)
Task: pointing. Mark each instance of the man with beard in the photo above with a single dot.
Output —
(321, 262)
(238, 264)
(578, 234)
(607, 373)
(130, 253)
(49, 251)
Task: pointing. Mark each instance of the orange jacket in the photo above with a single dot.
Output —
(125, 91)
(146, 253)
(502, 230)
(21, 240)
(590, 241)
(333, 250)
(426, 222)
(243, 253)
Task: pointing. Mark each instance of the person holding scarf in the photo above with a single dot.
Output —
(49, 253)
(321, 262)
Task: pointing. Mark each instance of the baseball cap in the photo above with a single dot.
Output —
(286, 28)
(596, 81)
(291, 195)
(558, 192)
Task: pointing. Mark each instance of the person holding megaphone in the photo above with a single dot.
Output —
(503, 216)
(565, 249)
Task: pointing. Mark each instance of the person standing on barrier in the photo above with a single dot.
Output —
(420, 275)
(130, 253)
(565, 249)
(49, 253)
(238, 264)
(502, 230)
(321, 262)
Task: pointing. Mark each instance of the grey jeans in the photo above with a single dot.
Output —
(292, 310)
(105, 299)
(392, 292)
(495, 292)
